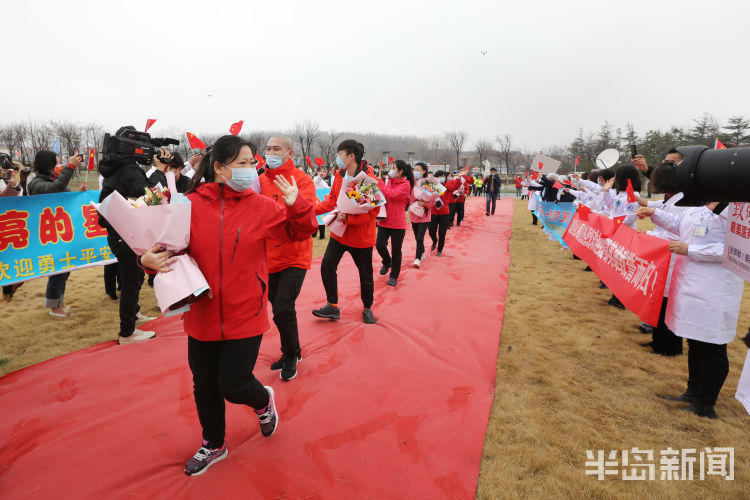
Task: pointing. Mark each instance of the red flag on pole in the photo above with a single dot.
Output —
(718, 144)
(557, 185)
(381, 163)
(307, 159)
(631, 193)
(261, 161)
(578, 159)
(390, 160)
(319, 161)
(92, 164)
(236, 127)
(195, 142)
(149, 122)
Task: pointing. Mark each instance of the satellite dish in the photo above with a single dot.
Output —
(607, 158)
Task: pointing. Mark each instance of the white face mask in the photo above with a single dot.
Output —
(242, 178)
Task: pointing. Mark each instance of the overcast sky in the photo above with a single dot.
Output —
(405, 67)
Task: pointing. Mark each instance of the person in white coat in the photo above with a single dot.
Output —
(704, 299)
(534, 187)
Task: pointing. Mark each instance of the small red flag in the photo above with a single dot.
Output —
(534, 175)
(390, 160)
(578, 159)
(236, 127)
(92, 164)
(307, 159)
(195, 142)
(618, 220)
(381, 163)
(583, 212)
(557, 185)
(149, 122)
(541, 165)
(261, 161)
(718, 144)
(631, 194)
(319, 161)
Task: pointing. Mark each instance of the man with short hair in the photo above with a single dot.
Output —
(287, 262)
(492, 187)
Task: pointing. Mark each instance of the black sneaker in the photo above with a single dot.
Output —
(368, 317)
(205, 458)
(440, 253)
(269, 419)
(384, 269)
(327, 312)
(685, 397)
(706, 411)
(289, 368)
(614, 301)
(645, 328)
(588, 269)
(279, 364)
(391, 282)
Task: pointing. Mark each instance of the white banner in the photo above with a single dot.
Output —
(544, 164)
(737, 241)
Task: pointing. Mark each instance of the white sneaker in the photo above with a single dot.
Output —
(142, 318)
(417, 262)
(138, 336)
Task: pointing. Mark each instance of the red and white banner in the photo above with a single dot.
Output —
(633, 265)
(737, 241)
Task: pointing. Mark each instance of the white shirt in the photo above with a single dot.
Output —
(320, 183)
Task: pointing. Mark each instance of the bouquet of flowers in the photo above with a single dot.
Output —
(359, 196)
(428, 191)
(160, 219)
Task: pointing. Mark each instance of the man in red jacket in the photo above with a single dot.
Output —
(357, 240)
(441, 217)
(461, 199)
(287, 262)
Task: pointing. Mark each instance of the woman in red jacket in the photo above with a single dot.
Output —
(419, 224)
(229, 226)
(441, 217)
(396, 191)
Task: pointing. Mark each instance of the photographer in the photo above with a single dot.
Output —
(175, 165)
(9, 185)
(125, 176)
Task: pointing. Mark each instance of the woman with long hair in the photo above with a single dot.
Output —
(419, 223)
(397, 190)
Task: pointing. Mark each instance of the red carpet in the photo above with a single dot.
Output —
(393, 410)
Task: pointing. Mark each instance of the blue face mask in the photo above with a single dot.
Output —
(417, 175)
(340, 163)
(392, 174)
(242, 178)
(274, 161)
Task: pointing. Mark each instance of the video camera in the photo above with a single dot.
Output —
(130, 144)
(706, 175)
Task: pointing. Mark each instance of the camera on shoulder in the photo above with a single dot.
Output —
(130, 144)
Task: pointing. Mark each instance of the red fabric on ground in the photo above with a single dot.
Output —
(393, 410)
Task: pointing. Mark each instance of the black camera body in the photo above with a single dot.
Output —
(135, 145)
(706, 175)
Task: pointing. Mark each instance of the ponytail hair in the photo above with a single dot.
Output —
(406, 170)
(225, 150)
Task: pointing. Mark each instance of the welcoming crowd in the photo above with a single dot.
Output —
(702, 298)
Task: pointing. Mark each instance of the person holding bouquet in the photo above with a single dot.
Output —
(440, 215)
(357, 240)
(229, 226)
(420, 216)
(397, 192)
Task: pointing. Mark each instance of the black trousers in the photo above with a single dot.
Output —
(321, 233)
(132, 281)
(491, 200)
(112, 278)
(665, 341)
(534, 219)
(459, 212)
(283, 290)
(452, 212)
(362, 258)
(438, 228)
(708, 367)
(419, 228)
(222, 370)
(397, 240)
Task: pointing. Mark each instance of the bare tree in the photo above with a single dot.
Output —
(40, 137)
(505, 152)
(328, 146)
(259, 138)
(305, 132)
(69, 134)
(456, 139)
(484, 149)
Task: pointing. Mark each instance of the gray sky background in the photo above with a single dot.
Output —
(402, 67)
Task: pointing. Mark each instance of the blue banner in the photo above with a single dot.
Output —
(556, 217)
(50, 234)
(321, 194)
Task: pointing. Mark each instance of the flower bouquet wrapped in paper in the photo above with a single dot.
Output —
(426, 190)
(358, 196)
(147, 222)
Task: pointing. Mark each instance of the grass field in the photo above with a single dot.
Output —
(571, 377)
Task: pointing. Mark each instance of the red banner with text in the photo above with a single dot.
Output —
(633, 265)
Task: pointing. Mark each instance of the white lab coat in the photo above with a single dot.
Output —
(704, 298)
(662, 233)
(532, 195)
(320, 183)
(618, 206)
(743, 387)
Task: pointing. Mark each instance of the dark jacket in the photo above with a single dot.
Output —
(124, 176)
(549, 193)
(493, 181)
(157, 176)
(45, 184)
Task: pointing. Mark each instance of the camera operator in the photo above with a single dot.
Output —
(9, 185)
(171, 163)
(127, 178)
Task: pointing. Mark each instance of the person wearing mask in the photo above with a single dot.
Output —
(397, 191)
(48, 181)
(492, 187)
(321, 182)
(461, 198)
(419, 223)
(440, 213)
(288, 262)
(478, 186)
(519, 187)
(229, 227)
(704, 299)
(452, 200)
(127, 178)
(357, 240)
